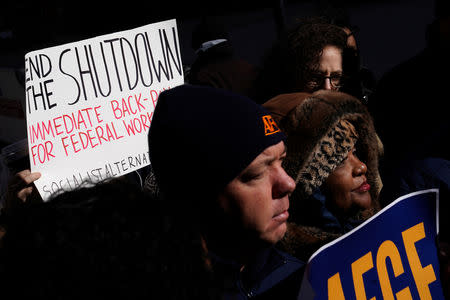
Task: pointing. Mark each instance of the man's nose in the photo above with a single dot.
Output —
(285, 185)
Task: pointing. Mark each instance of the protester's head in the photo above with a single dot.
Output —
(217, 157)
(316, 49)
(327, 75)
(106, 241)
(216, 64)
(347, 185)
(307, 60)
(209, 29)
(332, 154)
(258, 196)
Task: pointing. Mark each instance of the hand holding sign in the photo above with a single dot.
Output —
(21, 189)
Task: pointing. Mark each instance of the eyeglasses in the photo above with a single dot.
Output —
(318, 81)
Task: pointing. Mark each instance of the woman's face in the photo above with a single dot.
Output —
(348, 188)
(329, 73)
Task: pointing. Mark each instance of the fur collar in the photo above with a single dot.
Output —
(321, 128)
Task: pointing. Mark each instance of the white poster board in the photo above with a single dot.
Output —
(90, 103)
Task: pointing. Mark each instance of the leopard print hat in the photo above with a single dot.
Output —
(322, 128)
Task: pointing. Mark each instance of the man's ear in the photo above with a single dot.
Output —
(223, 202)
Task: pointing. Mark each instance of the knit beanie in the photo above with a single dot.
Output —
(201, 138)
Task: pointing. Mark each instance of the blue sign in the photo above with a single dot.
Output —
(393, 255)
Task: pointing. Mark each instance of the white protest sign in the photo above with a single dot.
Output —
(90, 103)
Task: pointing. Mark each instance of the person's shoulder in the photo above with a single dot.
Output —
(287, 266)
(288, 258)
(285, 281)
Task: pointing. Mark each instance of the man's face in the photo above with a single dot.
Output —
(258, 197)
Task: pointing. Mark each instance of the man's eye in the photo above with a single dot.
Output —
(250, 176)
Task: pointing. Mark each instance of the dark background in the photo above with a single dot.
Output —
(390, 31)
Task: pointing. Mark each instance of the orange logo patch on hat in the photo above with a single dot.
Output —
(270, 126)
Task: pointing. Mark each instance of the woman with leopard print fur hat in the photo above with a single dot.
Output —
(333, 153)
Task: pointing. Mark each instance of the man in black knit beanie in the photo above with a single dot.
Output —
(217, 160)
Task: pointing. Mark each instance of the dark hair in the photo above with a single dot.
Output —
(287, 64)
(106, 241)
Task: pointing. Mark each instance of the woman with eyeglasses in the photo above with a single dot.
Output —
(309, 57)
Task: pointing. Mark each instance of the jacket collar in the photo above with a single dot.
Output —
(269, 267)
